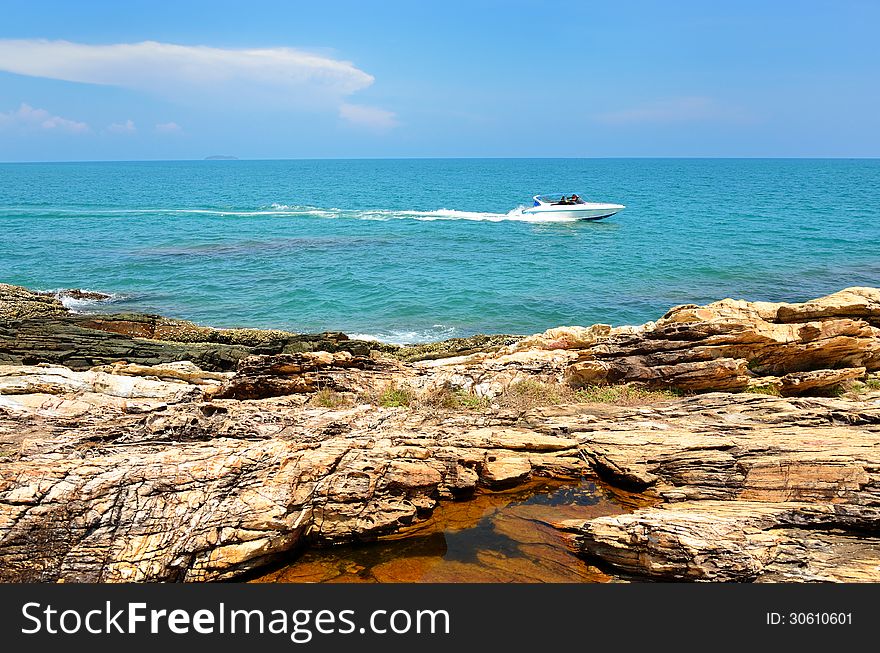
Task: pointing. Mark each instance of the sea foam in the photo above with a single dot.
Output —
(409, 337)
(86, 305)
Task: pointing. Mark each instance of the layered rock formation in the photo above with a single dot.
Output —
(725, 346)
(124, 456)
(157, 486)
(37, 328)
(751, 488)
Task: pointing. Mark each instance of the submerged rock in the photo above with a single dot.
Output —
(78, 294)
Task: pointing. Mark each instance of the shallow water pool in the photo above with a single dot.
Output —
(494, 537)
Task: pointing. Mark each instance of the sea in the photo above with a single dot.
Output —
(415, 250)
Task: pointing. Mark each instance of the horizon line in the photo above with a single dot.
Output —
(434, 158)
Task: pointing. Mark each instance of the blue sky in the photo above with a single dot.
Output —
(151, 80)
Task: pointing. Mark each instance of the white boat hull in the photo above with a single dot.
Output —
(585, 211)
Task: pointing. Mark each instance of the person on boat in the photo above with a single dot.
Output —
(575, 199)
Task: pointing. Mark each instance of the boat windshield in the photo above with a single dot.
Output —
(559, 198)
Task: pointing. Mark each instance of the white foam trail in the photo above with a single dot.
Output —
(286, 210)
(449, 214)
(516, 215)
(292, 211)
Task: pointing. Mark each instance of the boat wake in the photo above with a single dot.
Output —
(291, 211)
(422, 216)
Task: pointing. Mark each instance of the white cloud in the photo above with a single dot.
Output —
(126, 127)
(682, 109)
(364, 116)
(27, 117)
(168, 128)
(287, 75)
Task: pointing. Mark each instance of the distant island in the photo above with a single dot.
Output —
(221, 157)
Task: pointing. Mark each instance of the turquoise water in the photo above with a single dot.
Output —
(413, 250)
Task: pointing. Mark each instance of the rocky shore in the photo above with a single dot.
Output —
(140, 448)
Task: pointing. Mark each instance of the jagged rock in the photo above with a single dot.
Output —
(18, 303)
(501, 471)
(725, 346)
(77, 293)
(573, 337)
(737, 541)
(697, 376)
(800, 383)
(176, 371)
(722, 346)
(452, 347)
(729, 346)
(744, 447)
(463, 480)
(206, 491)
(45, 379)
(142, 469)
(850, 302)
(284, 374)
(765, 385)
(197, 490)
(752, 488)
(37, 328)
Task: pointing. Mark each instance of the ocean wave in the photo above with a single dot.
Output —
(408, 337)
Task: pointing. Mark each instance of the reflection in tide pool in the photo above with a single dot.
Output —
(494, 537)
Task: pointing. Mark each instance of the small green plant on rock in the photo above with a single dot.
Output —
(625, 395)
(8, 454)
(531, 393)
(451, 399)
(328, 398)
(470, 401)
(395, 398)
(767, 389)
(858, 389)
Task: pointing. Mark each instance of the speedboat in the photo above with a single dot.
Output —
(570, 207)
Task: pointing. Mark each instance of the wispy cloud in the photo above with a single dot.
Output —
(365, 116)
(290, 75)
(168, 128)
(28, 118)
(674, 110)
(126, 127)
